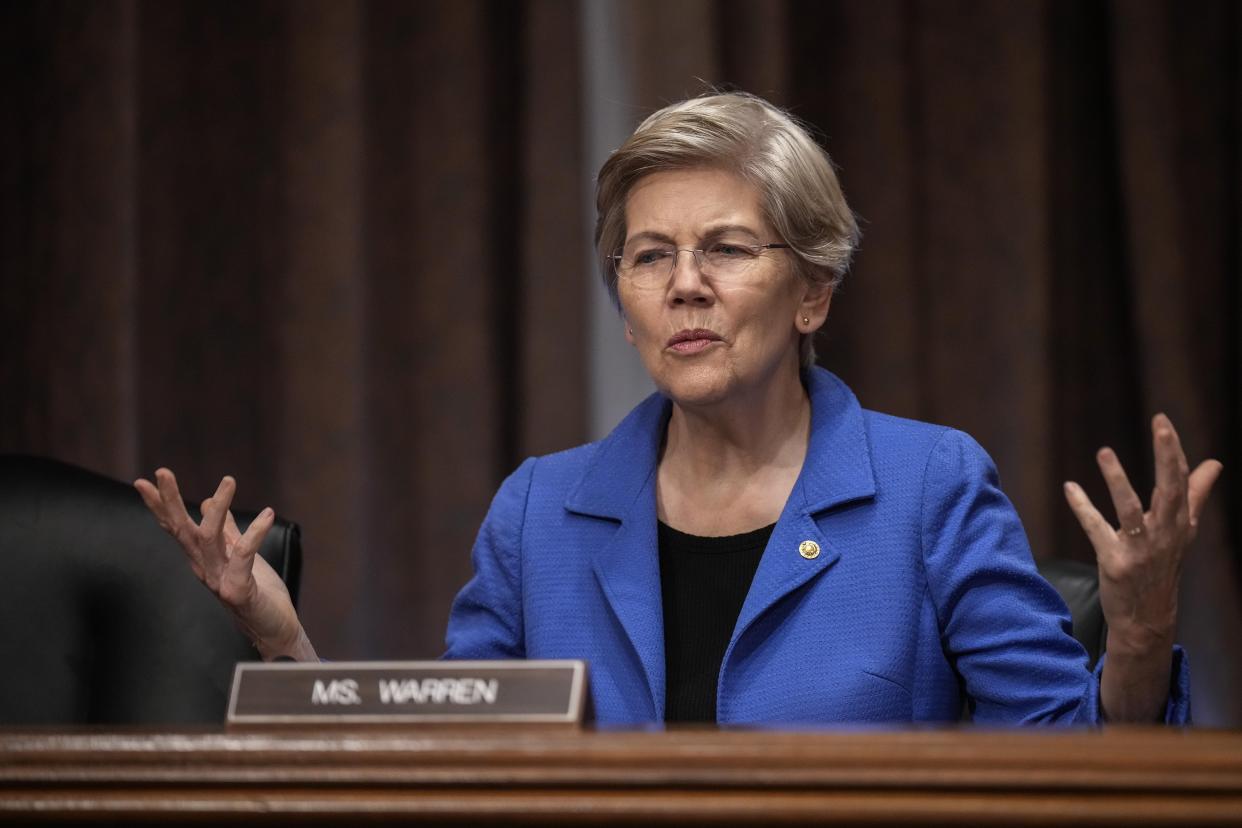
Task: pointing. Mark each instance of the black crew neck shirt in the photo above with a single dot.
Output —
(703, 582)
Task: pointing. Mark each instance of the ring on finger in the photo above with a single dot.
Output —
(1135, 531)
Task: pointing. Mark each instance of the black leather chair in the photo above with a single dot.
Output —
(101, 620)
(1079, 585)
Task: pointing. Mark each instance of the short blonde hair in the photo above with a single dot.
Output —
(763, 144)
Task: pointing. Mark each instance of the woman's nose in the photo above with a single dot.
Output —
(687, 282)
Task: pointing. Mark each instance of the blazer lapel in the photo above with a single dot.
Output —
(783, 567)
(837, 470)
(619, 485)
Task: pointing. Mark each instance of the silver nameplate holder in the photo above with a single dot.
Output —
(368, 693)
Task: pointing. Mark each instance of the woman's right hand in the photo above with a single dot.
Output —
(226, 561)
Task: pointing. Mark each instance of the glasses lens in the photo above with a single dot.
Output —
(646, 265)
(730, 259)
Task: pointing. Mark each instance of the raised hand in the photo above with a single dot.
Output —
(225, 560)
(1140, 564)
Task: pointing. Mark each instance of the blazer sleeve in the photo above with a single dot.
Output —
(1004, 628)
(485, 621)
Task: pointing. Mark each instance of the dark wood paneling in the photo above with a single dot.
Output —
(320, 316)
(67, 232)
(212, 245)
(851, 76)
(555, 291)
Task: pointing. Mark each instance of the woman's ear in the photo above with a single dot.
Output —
(629, 332)
(813, 309)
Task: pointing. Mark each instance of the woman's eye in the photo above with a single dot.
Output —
(730, 251)
(648, 257)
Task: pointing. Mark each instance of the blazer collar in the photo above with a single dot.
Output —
(837, 468)
(623, 463)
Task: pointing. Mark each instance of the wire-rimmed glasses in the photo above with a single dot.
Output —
(649, 265)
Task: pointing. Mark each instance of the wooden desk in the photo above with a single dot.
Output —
(1120, 776)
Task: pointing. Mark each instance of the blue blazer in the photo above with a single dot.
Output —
(923, 598)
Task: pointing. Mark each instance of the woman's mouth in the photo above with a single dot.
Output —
(692, 341)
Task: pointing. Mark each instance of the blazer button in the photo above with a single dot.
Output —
(809, 549)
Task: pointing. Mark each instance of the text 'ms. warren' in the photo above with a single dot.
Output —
(410, 691)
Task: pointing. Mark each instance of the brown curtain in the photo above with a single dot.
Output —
(291, 242)
(334, 249)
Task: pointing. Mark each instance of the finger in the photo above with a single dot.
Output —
(252, 538)
(231, 533)
(1162, 421)
(1098, 530)
(1126, 503)
(217, 506)
(155, 504)
(170, 495)
(1199, 486)
(150, 496)
(1171, 470)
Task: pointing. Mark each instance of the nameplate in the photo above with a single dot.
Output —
(408, 692)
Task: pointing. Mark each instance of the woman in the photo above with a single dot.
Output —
(750, 545)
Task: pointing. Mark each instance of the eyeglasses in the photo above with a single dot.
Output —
(649, 266)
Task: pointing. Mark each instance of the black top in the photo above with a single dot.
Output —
(704, 582)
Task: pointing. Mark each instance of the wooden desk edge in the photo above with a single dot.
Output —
(1120, 775)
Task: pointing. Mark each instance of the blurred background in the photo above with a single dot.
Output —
(340, 249)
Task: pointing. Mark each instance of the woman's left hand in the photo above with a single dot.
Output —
(1140, 564)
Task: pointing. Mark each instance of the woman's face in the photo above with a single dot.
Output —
(705, 340)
